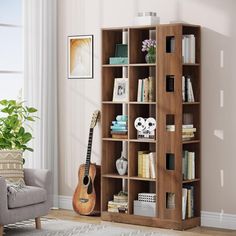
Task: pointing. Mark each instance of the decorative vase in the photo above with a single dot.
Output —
(150, 58)
(122, 165)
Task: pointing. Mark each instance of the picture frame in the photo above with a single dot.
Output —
(121, 90)
(80, 57)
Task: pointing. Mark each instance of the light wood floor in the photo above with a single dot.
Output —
(70, 215)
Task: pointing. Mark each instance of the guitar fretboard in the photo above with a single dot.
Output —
(89, 150)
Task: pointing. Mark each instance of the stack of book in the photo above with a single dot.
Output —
(187, 131)
(187, 89)
(146, 90)
(147, 164)
(119, 127)
(187, 202)
(119, 204)
(188, 165)
(188, 48)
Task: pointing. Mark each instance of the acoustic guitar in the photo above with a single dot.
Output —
(86, 198)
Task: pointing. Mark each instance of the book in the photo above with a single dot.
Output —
(119, 136)
(188, 48)
(152, 164)
(139, 94)
(119, 122)
(183, 88)
(146, 172)
(140, 162)
(151, 89)
(184, 203)
(119, 128)
(188, 165)
(192, 48)
(145, 90)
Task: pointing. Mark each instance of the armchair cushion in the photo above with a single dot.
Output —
(29, 195)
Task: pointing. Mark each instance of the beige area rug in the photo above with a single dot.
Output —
(54, 227)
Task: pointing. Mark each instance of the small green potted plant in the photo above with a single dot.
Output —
(14, 138)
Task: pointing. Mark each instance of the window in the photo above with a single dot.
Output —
(11, 48)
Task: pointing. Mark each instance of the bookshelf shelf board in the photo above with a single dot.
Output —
(111, 102)
(191, 103)
(118, 65)
(143, 103)
(190, 181)
(142, 179)
(115, 176)
(114, 139)
(143, 64)
(190, 141)
(142, 140)
(191, 64)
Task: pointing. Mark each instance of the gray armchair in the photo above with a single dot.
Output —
(31, 202)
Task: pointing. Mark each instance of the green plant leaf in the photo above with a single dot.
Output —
(31, 109)
(30, 118)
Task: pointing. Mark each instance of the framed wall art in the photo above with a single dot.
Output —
(80, 57)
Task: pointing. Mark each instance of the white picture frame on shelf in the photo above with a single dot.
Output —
(121, 90)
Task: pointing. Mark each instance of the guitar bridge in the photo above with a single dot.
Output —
(83, 200)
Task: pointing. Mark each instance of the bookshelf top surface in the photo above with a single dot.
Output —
(126, 28)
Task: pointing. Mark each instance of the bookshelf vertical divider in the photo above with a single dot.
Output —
(168, 109)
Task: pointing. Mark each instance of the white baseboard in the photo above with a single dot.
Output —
(208, 219)
(218, 220)
(65, 202)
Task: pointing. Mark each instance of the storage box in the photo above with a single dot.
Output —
(144, 208)
(121, 55)
(146, 18)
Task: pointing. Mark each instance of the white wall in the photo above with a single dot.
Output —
(78, 98)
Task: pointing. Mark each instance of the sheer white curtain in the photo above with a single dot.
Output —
(40, 83)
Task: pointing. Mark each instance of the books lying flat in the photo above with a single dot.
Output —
(187, 131)
(119, 127)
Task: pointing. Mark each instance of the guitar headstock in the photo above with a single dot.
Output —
(95, 118)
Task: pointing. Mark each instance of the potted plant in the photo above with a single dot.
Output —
(14, 138)
(149, 46)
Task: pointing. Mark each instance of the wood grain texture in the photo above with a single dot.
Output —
(167, 103)
(92, 205)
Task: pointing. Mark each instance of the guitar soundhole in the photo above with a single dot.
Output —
(86, 180)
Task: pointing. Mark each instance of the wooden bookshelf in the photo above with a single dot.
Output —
(168, 108)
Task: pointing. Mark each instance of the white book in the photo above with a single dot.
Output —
(192, 48)
(183, 49)
(139, 93)
(188, 90)
(183, 88)
(187, 49)
(152, 164)
(184, 203)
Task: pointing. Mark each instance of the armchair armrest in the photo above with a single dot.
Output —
(39, 178)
